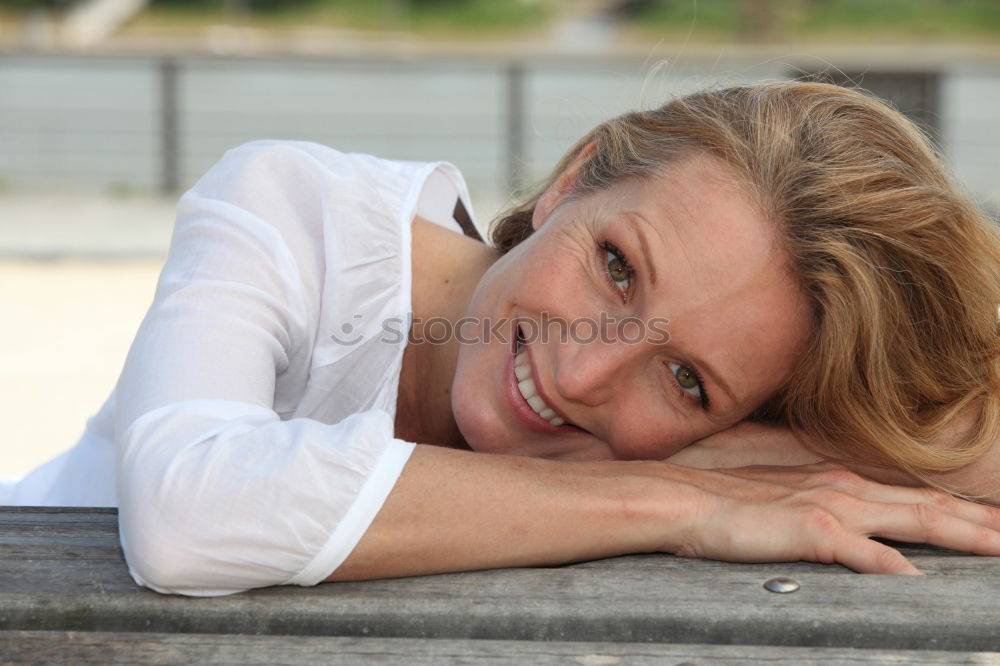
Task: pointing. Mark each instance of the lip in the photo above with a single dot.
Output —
(523, 411)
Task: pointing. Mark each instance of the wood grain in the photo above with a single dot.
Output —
(124, 648)
(63, 571)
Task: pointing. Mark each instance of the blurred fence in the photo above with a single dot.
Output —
(156, 123)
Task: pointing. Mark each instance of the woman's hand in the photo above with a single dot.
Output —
(826, 513)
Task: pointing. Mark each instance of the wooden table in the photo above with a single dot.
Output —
(66, 597)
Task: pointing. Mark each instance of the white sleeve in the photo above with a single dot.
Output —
(216, 493)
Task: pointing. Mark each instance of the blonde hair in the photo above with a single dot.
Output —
(902, 270)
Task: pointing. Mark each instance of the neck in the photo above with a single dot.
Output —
(446, 269)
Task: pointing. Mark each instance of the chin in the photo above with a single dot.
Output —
(491, 438)
(485, 430)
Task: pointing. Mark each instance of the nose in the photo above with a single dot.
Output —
(589, 372)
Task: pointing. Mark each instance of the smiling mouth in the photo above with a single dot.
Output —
(527, 388)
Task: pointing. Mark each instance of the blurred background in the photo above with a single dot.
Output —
(109, 109)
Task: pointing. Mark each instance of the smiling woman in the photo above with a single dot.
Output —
(687, 244)
(790, 251)
(899, 274)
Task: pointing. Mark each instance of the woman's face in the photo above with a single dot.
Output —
(652, 314)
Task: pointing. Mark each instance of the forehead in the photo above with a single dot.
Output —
(704, 208)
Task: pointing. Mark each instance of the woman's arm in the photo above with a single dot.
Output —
(744, 444)
(454, 510)
(232, 470)
(750, 443)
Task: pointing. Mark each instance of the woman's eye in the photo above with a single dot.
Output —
(688, 380)
(619, 271)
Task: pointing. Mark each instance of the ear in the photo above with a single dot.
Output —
(560, 187)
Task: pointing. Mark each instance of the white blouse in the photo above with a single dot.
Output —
(249, 439)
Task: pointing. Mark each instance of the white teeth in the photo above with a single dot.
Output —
(536, 403)
(526, 385)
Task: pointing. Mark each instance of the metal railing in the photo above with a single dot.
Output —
(151, 123)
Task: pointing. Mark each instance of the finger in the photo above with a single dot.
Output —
(923, 523)
(866, 489)
(866, 556)
(886, 491)
(835, 475)
(980, 514)
(836, 540)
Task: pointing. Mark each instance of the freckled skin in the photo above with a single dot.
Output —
(721, 281)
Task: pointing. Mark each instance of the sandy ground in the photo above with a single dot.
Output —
(77, 273)
(69, 324)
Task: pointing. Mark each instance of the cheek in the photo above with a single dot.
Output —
(648, 427)
(499, 285)
(472, 400)
(548, 271)
(646, 443)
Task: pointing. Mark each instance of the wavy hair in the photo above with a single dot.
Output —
(901, 268)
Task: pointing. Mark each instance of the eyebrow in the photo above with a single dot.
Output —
(643, 245)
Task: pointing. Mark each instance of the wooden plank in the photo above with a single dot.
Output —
(932, 561)
(39, 647)
(72, 577)
(45, 532)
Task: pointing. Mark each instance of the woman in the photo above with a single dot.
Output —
(787, 250)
